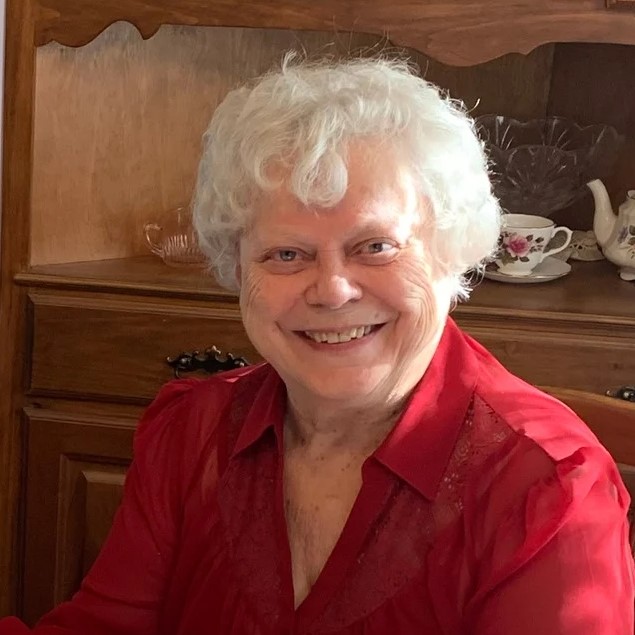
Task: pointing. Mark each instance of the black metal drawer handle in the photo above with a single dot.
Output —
(621, 4)
(627, 393)
(211, 360)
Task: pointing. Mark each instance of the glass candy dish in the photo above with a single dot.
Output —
(543, 165)
(174, 239)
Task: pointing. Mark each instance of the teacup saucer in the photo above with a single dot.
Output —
(549, 269)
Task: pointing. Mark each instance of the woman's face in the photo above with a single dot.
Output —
(344, 302)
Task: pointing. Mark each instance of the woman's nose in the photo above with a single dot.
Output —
(333, 286)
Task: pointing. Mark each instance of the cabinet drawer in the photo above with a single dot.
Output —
(582, 361)
(114, 348)
(105, 347)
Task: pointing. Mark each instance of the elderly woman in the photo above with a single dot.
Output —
(381, 473)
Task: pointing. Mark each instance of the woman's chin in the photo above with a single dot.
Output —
(343, 386)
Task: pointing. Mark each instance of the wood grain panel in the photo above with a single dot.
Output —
(130, 339)
(118, 127)
(14, 257)
(89, 495)
(116, 349)
(513, 85)
(118, 122)
(73, 478)
(621, 4)
(140, 275)
(565, 359)
(594, 84)
(453, 31)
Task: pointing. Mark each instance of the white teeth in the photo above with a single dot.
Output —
(333, 337)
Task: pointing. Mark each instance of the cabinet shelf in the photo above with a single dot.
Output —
(593, 292)
(141, 275)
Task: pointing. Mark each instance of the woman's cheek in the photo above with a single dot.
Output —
(425, 300)
(251, 294)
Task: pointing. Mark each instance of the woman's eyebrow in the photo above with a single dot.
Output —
(282, 239)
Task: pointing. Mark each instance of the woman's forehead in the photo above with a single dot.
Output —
(381, 197)
(350, 220)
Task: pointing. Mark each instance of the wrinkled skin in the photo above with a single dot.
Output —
(361, 262)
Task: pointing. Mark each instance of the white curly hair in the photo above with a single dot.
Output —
(301, 117)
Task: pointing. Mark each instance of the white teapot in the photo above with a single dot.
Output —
(615, 233)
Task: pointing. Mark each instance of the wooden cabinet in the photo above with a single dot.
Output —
(98, 138)
(73, 485)
(111, 346)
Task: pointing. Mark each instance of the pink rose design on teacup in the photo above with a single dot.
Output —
(523, 243)
(516, 245)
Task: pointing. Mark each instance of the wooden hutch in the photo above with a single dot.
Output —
(105, 103)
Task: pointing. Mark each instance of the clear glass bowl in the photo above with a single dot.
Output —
(543, 165)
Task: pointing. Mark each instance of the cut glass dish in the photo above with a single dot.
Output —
(543, 165)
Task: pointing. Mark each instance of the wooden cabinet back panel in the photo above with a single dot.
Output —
(118, 349)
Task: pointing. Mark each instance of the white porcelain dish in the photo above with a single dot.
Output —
(551, 268)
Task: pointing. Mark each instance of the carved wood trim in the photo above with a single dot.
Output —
(448, 30)
(14, 255)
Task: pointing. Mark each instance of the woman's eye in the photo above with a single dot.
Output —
(378, 251)
(378, 247)
(284, 255)
(372, 247)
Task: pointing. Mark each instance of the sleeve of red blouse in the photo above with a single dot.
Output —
(121, 593)
(560, 564)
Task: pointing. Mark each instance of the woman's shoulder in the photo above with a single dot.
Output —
(529, 413)
(186, 414)
(533, 450)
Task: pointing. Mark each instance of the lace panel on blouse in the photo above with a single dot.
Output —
(397, 546)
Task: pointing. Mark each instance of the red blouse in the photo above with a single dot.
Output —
(490, 509)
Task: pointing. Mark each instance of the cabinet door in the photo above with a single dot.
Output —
(74, 474)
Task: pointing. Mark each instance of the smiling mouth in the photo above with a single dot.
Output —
(339, 337)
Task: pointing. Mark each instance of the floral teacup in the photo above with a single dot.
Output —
(523, 241)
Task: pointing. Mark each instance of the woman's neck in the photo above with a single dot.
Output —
(334, 427)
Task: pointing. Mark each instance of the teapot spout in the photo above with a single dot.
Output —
(604, 219)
